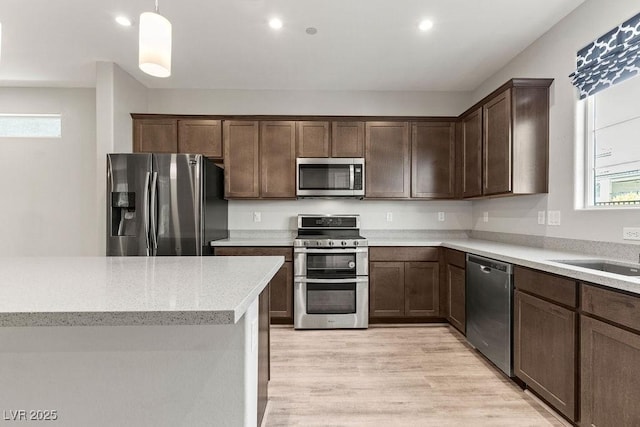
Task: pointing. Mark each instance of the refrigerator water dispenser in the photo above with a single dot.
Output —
(123, 213)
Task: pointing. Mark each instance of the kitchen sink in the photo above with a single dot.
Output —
(603, 265)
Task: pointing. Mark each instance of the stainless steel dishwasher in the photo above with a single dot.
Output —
(489, 299)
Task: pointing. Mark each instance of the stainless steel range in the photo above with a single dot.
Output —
(331, 269)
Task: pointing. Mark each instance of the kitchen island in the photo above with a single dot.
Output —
(132, 340)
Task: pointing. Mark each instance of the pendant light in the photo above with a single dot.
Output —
(155, 44)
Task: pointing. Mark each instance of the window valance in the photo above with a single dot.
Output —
(612, 58)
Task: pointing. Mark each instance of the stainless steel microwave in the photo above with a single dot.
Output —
(330, 177)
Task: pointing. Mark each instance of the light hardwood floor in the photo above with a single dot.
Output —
(390, 376)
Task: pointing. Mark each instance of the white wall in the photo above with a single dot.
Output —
(48, 184)
(553, 55)
(117, 95)
(349, 103)
(407, 215)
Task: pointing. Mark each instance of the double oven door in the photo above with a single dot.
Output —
(331, 288)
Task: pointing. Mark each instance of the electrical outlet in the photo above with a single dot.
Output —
(485, 216)
(553, 217)
(440, 216)
(389, 216)
(541, 217)
(257, 217)
(631, 233)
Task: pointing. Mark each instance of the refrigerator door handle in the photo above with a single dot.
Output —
(146, 201)
(153, 214)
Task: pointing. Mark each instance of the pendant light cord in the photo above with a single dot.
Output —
(157, 6)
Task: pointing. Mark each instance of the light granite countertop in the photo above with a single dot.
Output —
(533, 257)
(106, 291)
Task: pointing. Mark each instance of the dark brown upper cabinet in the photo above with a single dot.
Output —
(470, 131)
(200, 136)
(497, 149)
(433, 160)
(313, 139)
(387, 165)
(347, 139)
(515, 140)
(155, 136)
(193, 136)
(241, 159)
(278, 159)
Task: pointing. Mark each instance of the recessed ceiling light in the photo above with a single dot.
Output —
(275, 23)
(124, 21)
(311, 31)
(425, 25)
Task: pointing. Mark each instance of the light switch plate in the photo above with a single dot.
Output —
(541, 217)
(257, 217)
(485, 216)
(553, 217)
(440, 216)
(389, 216)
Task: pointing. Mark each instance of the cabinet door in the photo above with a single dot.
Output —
(471, 148)
(433, 160)
(241, 169)
(347, 139)
(610, 375)
(277, 159)
(497, 144)
(421, 292)
(386, 289)
(456, 291)
(313, 139)
(545, 350)
(387, 160)
(282, 294)
(200, 137)
(155, 136)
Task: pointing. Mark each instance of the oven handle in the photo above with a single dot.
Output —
(353, 280)
(330, 250)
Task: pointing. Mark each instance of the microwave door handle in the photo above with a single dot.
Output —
(351, 176)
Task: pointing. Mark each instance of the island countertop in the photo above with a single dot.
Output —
(109, 291)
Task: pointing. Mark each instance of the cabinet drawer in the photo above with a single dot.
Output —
(554, 288)
(403, 254)
(456, 258)
(610, 305)
(287, 253)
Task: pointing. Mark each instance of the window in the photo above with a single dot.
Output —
(30, 126)
(613, 146)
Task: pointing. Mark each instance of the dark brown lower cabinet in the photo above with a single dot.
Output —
(386, 289)
(404, 284)
(264, 350)
(421, 289)
(610, 359)
(456, 298)
(281, 287)
(545, 350)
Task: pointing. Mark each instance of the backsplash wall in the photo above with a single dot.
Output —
(406, 215)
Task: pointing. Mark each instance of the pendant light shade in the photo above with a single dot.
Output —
(155, 45)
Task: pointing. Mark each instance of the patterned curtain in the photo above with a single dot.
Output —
(610, 59)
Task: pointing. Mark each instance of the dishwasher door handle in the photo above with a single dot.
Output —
(485, 269)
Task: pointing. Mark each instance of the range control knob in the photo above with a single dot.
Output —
(355, 243)
(331, 243)
(307, 243)
(344, 243)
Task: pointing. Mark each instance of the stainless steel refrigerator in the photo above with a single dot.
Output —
(164, 204)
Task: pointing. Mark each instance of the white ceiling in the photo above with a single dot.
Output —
(227, 44)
